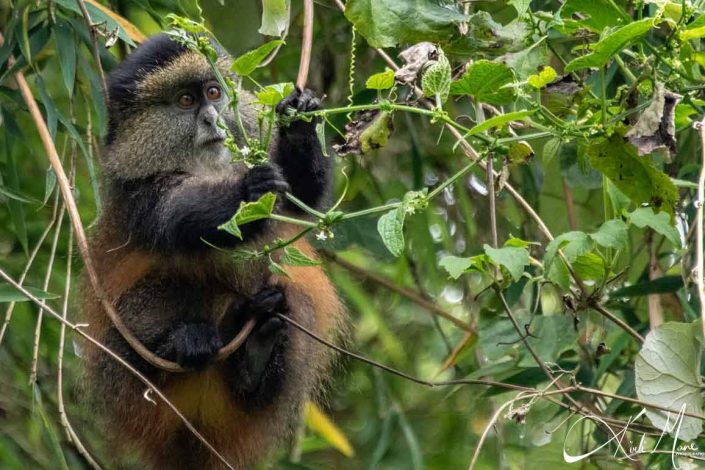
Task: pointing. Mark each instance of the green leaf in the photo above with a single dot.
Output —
(500, 120)
(512, 258)
(612, 234)
(275, 17)
(381, 81)
(436, 79)
(248, 62)
(9, 294)
(484, 80)
(390, 227)
(572, 244)
(610, 45)
(387, 23)
(295, 257)
(276, 268)
(526, 62)
(66, 47)
(543, 78)
(11, 194)
(273, 94)
(455, 266)
(521, 6)
(595, 15)
(551, 149)
(667, 374)
(694, 30)
(620, 201)
(250, 212)
(589, 266)
(662, 285)
(660, 223)
(520, 152)
(635, 176)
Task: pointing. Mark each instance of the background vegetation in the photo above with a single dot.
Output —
(546, 281)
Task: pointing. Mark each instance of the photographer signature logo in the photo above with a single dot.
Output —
(628, 449)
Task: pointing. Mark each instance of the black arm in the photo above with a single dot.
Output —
(299, 154)
(179, 211)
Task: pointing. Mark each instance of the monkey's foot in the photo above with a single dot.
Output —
(259, 364)
(192, 345)
(298, 101)
(264, 179)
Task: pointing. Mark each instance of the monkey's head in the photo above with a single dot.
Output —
(164, 103)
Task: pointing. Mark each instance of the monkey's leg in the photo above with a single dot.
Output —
(298, 151)
(170, 316)
(258, 367)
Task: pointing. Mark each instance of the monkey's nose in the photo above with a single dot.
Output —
(209, 116)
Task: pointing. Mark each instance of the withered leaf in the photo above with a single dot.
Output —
(656, 128)
(416, 58)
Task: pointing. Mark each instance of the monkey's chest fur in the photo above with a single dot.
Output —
(152, 292)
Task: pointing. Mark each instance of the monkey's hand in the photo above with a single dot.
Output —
(264, 179)
(299, 101)
(191, 345)
(259, 363)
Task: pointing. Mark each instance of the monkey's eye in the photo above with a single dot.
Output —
(186, 100)
(213, 93)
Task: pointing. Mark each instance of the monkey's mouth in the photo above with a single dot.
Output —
(212, 141)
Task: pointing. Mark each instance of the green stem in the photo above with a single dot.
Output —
(372, 210)
(293, 221)
(625, 71)
(459, 174)
(302, 205)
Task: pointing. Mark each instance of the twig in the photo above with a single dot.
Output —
(700, 265)
(94, 47)
(306, 45)
(407, 293)
(600, 308)
(81, 240)
(431, 384)
(45, 287)
(117, 358)
(489, 426)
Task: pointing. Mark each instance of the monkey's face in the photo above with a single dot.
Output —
(173, 122)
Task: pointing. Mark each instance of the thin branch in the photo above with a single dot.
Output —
(306, 45)
(94, 46)
(45, 287)
(427, 383)
(600, 308)
(486, 432)
(404, 292)
(117, 358)
(700, 264)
